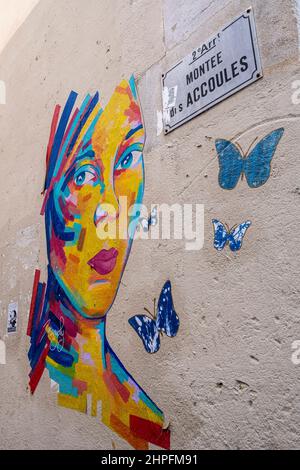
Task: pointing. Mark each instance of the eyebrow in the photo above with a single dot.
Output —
(133, 131)
(71, 170)
(89, 153)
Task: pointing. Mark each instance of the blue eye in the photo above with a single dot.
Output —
(126, 161)
(130, 159)
(83, 177)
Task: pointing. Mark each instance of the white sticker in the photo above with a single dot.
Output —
(12, 316)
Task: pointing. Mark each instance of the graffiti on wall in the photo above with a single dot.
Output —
(255, 165)
(94, 157)
(164, 320)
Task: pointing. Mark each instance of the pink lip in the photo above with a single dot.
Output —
(104, 261)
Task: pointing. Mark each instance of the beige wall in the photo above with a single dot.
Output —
(13, 14)
(227, 379)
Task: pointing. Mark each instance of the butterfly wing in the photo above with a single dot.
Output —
(153, 217)
(167, 319)
(221, 235)
(257, 166)
(230, 162)
(144, 224)
(147, 331)
(237, 234)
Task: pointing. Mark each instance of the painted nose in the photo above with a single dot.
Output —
(100, 215)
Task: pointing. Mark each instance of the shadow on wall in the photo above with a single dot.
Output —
(2, 92)
(13, 15)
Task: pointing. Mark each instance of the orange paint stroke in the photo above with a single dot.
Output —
(81, 239)
(124, 431)
(74, 258)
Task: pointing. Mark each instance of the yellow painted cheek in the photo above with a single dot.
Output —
(77, 271)
(80, 252)
(129, 183)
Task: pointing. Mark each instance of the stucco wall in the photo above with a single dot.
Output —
(13, 14)
(227, 379)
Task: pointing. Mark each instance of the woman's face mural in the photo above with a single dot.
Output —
(90, 213)
(93, 190)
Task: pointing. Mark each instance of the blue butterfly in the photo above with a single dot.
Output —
(146, 223)
(234, 237)
(164, 320)
(256, 166)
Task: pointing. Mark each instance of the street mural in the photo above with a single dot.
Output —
(94, 158)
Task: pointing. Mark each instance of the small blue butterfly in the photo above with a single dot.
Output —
(164, 320)
(150, 222)
(234, 236)
(256, 166)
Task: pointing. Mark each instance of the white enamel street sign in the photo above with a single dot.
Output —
(213, 71)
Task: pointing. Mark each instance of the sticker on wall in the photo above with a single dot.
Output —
(12, 317)
(94, 158)
(233, 237)
(164, 320)
(256, 165)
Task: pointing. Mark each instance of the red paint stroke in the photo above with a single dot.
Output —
(42, 332)
(70, 327)
(33, 299)
(109, 383)
(44, 205)
(52, 132)
(41, 304)
(133, 112)
(123, 391)
(124, 90)
(37, 373)
(80, 385)
(113, 382)
(120, 428)
(115, 386)
(151, 432)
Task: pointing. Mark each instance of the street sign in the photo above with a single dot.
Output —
(221, 66)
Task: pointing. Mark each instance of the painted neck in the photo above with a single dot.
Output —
(74, 339)
(92, 345)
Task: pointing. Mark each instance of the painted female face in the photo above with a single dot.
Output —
(91, 221)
